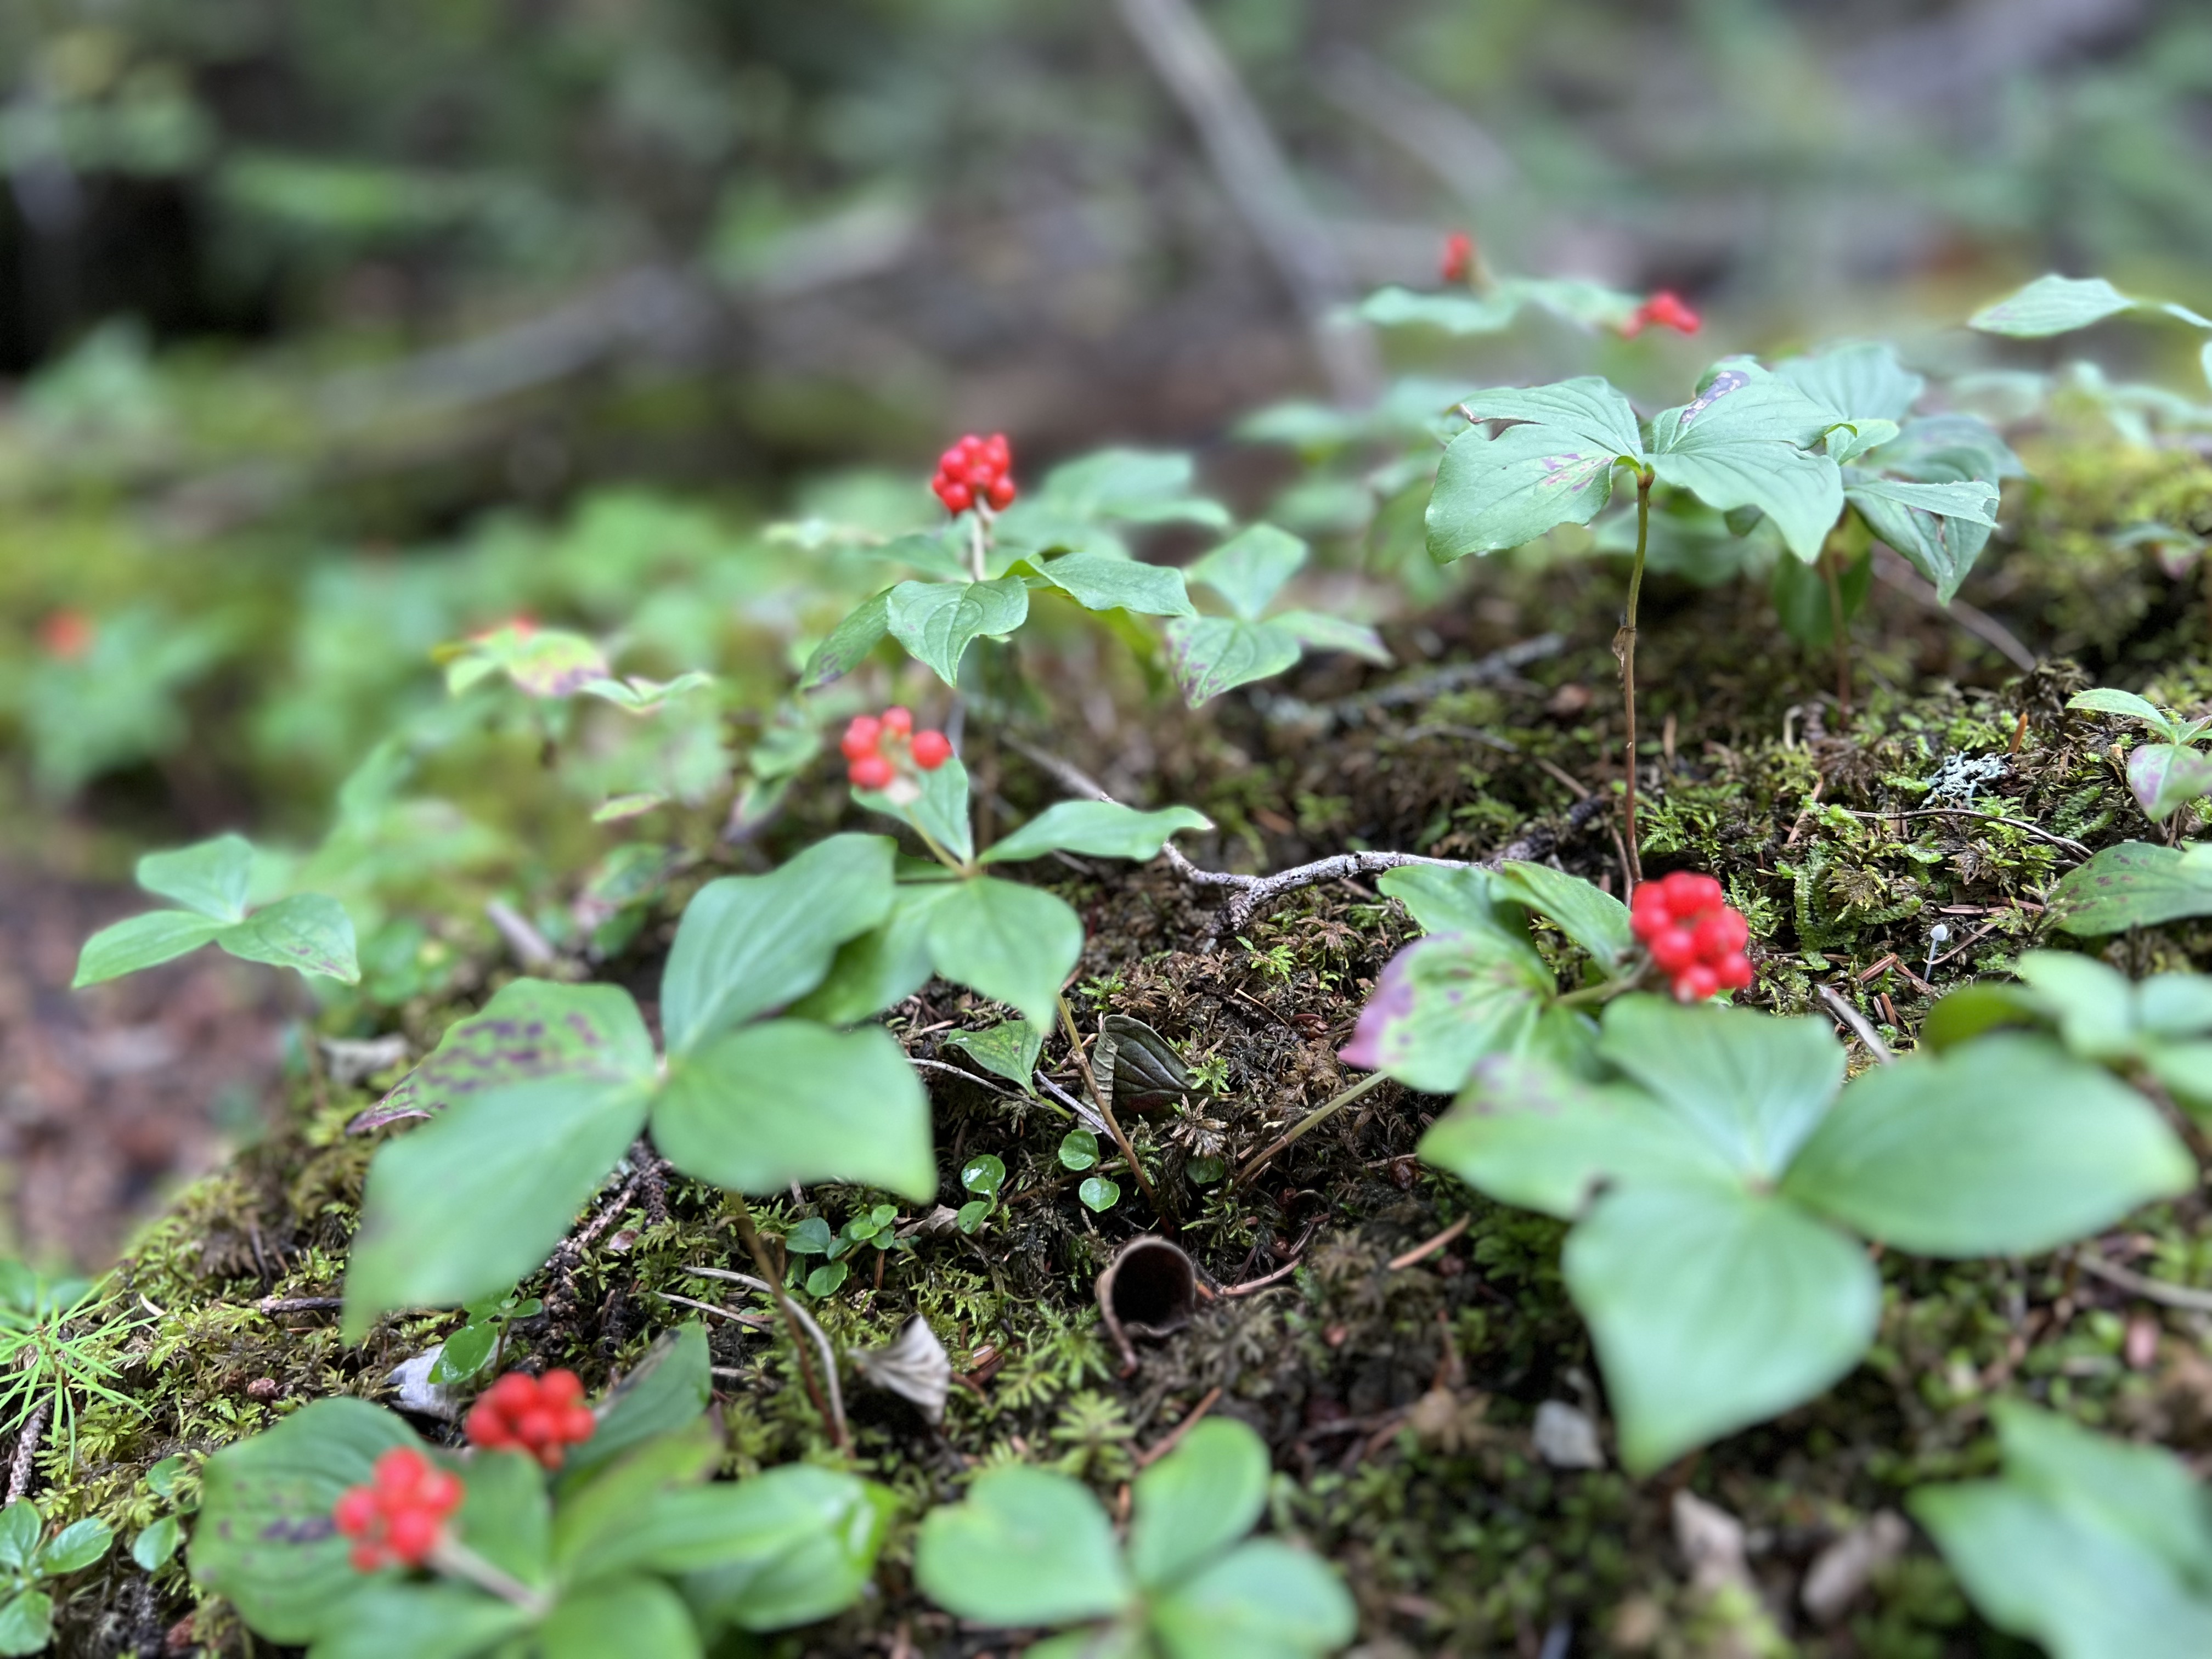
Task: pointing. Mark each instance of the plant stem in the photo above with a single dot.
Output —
(975, 566)
(938, 852)
(1106, 1111)
(1312, 1120)
(1838, 627)
(1624, 646)
(751, 1237)
(456, 1559)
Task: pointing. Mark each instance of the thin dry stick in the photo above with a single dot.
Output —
(1891, 568)
(1106, 1112)
(1624, 646)
(791, 1317)
(26, 1452)
(1429, 1247)
(1152, 1454)
(820, 1337)
(1261, 1284)
(1857, 1021)
(1312, 1120)
(2066, 841)
(2151, 1290)
(750, 1321)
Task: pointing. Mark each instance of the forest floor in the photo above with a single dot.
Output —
(1392, 1335)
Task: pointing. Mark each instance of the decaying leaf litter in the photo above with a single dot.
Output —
(1405, 1347)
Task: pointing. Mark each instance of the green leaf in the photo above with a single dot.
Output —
(881, 966)
(1964, 1014)
(1099, 1194)
(940, 812)
(1940, 529)
(2134, 884)
(1026, 1547)
(1496, 493)
(1445, 1001)
(306, 931)
(620, 1616)
(2167, 776)
(792, 1101)
(1713, 1308)
(1136, 486)
(1589, 408)
(747, 944)
(848, 643)
(26, 1622)
(825, 1280)
(74, 1549)
(2095, 1548)
(1753, 1085)
(783, 1548)
(1855, 382)
(439, 1620)
(663, 1393)
(1459, 313)
(1323, 633)
(1594, 920)
(2092, 1006)
(1529, 1134)
(21, 1528)
(154, 1547)
(465, 1353)
(1197, 1501)
(146, 941)
(1209, 655)
(2105, 700)
(532, 1028)
(211, 876)
(1015, 944)
(264, 1538)
(937, 622)
(984, 1173)
(1079, 1150)
(506, 1517)
(467, 1205)
(595, 1531)
(1099, 828)
(1735, 444)
(1264, 1601)
(2005, 1146)
(2052, 305)
(1462, 900)
(1099, 582)
(1008, 1050)
(1250, 568)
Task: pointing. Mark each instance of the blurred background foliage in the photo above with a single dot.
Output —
(337, 331)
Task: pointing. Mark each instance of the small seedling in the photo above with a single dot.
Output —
(211, 880)
(2165, 776)
(29, 1561)
(477, 1346)
(173, 1481)
(983, 1176)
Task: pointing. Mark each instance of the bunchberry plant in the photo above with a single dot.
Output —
(1695, 937)
(874, 746)
(174, 1482)
(976, 475)
(2157, 1030)
(2134, 885)
(30, 1562)
(340, 1531)
(2165, 776)
(213, 881)
(1212, 654)
(2089, 1545)
(1030, 1547)
(1720, 1174)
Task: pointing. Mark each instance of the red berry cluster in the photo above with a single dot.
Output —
(976, 472)
(1694, 937)
(66, 635)
(1459, 256)
(540, 1415)
(1665, 309)
(870, 744)
(400, 1515)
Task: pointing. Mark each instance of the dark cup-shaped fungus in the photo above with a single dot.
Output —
(1149, 1289)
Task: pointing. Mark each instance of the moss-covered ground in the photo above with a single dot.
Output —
(1399, 1399)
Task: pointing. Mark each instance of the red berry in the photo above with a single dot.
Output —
(579, 1424)
(398, 1472)
(536, 1427)
(871, 772)
(560, 1387)
(932, 750)
(971, 445)
(355, 1512)
(1722, 933)
(1664, 309)
(1735, 973)
(366, 1558)
(1459, 256)
(897, 720)
(1696, 982)
(412, 1535)
(486, 1426)
(1673, 949)
(514, 1392)
(996, 448)
(440, 1492)
(66, 635)
(1001, 493)
(952, 459)
(861, 739)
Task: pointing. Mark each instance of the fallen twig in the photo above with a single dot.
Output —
(750, 1321)
(277, 1304)
(26, 1452)
(1312, 1120)
(1430, 1247)
(1152, 1454)
(2136, 1284)
(1252, 1285)
(1893, 570)
(2066, 841)
(1857, 1021)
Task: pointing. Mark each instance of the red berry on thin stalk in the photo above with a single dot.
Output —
(861, 739)
(1459, 256)
(871, 772)
(932, 750)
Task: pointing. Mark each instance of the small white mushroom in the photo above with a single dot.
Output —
(915, 1366)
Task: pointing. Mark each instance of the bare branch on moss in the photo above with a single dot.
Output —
(27, 1452)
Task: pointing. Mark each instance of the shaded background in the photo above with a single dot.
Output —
(332, 331)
